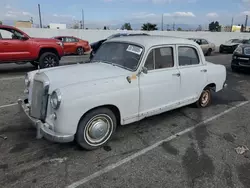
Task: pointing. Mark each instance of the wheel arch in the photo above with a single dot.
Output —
(46, 49)
(111, 107)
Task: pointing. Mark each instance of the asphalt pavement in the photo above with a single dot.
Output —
(186, 147)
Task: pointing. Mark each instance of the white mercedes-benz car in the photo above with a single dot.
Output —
(128, 79)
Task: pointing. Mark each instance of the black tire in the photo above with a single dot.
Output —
(84, 137)
(201, 103)
(221, 51)
(209, 52)
(80, 51)
(48, 59)
(234, 69)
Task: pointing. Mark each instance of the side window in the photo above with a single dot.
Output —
(204, 41)
(164, 58)
(149, 64)
(160, 58)
(10, 34)
(187, 56)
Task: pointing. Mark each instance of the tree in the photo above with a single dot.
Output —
(179, 29)
(126, 26)
(105, 28)
(149, 27)
(1, 23)
(214, 26)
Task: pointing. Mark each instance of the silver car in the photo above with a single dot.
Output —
(206, 46)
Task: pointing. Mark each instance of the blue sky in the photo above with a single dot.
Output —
(104, 12)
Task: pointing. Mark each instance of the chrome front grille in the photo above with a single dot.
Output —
(247, 51)
(39, 99)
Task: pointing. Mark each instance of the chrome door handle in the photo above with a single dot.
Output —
(177, 74)
(204, 70)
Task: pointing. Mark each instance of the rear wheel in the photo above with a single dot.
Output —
(80, 51)
(205, 98)
(96, 128)
(209, 52)
(48, 59)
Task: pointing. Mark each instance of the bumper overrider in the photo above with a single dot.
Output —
(43, 128)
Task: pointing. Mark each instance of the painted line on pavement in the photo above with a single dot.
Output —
(8, 105)
(147, 149)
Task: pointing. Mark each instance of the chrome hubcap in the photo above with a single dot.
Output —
(205, 98)
(98, 130)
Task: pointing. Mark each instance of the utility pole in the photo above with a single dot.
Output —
(246, 22)
(82, 19)
(162, 22)
(173, 26)
(40, 16)
(232, 22)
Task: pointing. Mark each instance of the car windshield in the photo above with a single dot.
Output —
(246, 41)
(235, 41)
(120, 54)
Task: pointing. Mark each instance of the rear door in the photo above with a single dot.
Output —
(193, 72)
(12, 47)
(69, 45)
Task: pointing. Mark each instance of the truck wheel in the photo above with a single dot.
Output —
(96, 128)
(209, 51)
(48, 59)
(80, 51)
(205, 98)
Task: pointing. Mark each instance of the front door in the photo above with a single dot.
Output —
(160, 87)
(12, 47)
(193, 72)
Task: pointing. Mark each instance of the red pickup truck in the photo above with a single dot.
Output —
(16, 46)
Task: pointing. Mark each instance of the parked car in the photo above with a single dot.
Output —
(74, 45)
(241, 57)
(16, 46)
(230, 45)
(206, 46)
(96, 45)
(128, 79)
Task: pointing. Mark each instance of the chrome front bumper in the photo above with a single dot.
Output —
(43, 128)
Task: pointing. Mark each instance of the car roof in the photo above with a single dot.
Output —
(153, 40)
(7, 27)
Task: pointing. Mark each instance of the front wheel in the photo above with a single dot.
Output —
(80, 51)
(48, 59)
(205, 98)
(96, 128)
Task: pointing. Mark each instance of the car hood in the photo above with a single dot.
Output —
(73, 74)
(45, 40)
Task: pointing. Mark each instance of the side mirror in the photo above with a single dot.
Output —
(144, 70)
(23, 37)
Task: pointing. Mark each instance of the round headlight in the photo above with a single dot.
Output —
(27, 80)
(55, 99)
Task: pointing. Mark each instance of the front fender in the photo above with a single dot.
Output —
(73, 107)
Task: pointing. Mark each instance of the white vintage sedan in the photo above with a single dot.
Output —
(127, 80)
